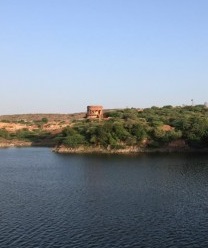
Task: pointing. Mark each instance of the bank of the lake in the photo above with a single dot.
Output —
(98, 149)
(128, 150)
(14, 143)
(7, 143)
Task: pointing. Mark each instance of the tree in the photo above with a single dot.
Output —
(44, 120)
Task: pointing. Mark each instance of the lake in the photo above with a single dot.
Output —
(147, 200)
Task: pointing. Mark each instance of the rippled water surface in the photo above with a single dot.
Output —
(52, 200)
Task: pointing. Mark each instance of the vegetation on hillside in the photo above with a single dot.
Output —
(151, 127)
(36, 137)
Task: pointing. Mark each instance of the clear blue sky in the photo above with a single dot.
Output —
(58, 56)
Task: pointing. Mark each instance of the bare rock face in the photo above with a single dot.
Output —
(94, 112)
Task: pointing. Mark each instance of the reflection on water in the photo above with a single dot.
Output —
(150, 200)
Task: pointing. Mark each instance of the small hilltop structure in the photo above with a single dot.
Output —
(94, 112)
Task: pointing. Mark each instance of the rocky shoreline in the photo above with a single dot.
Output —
(100, 150)
(84, 149)
(14, 143)
(130, 150)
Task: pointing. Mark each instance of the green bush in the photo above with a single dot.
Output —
(4, 134)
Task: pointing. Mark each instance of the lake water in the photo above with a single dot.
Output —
(53, 200)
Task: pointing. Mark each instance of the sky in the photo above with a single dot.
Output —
(58, 56)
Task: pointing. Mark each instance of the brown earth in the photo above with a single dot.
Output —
(52, 127)
(38, 117)
(14, 143)
(31, 122)
(167, 128)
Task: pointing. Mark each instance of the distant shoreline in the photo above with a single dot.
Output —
(128, 150)
(14, 143)
(99, 150)
(22, 143)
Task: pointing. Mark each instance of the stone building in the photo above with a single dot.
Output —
(94, 112)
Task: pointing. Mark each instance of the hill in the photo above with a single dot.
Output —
(167, 128)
